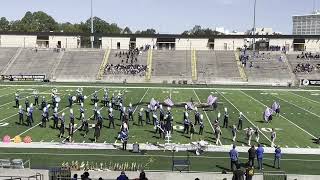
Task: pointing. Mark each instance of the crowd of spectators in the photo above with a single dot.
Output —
(122, 176)
(128, 64)
(308, 55)
(303, 68)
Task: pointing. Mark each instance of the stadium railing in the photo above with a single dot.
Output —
(274, 175)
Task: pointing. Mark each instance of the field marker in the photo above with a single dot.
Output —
(297, 146)
(244, 116)
(287, 146)
(83, 141)
(50, 118)
(204, 111)
(52, 140)
(297, 106)
(305, 98)
(280, 115)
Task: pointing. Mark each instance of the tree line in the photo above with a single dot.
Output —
(42, 22)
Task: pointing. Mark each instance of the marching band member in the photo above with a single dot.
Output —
(111, 118)
(105, 99)
(256, 133)
(95, 111)
(27, 103)
(218, 134)
(71, 116)
(44, 117)
(20, 115)
(31, 112)
(225, 118)
(47, 112)
(140, 120)
(249, 134)
(36, 99)
(234, 131)
(201, 125)
(17, 99)
(99, 120)
(147, 111)
(196, 116)
(71, 131)
(192, 130)
(43, 102)
(81, 110)
(186, 123)
(273, 137)
(96, 132)
(55, 118)
(161, 113)
(70, 100)
(240, 120)
(62, 125)
(29, 118)
(130, 112)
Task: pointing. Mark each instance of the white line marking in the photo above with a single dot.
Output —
(165, 88)
(204, 112)
(50, 118)
(305, 98)
(243, 115)
(297, 106)
(280, 115)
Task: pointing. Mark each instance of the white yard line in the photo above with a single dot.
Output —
(204, 112)
(281, 116)
(7, 94)
(296, 106)
(243, 115)
(89, 118)
(305, 98)
(50, 118)
(21, 99)
(141, 100)
(165, 88)
(14, 114)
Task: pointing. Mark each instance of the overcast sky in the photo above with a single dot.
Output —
(169, 16)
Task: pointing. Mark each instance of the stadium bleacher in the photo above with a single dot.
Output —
(31, 62)
(314, 62)
(5, 55)
(78, 65)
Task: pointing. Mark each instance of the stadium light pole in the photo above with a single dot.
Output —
(91, 37)
(254, 28)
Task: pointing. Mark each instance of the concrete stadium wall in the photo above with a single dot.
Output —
(111, 42)
(66, 41)
(228, 44)
(312, 45)
(281, 43)
(18, 41)
(141, 42)
(197, 44)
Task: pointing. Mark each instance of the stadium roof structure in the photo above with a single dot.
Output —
(163, 35)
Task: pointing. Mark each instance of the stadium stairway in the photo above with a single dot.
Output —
(13, 58)
(240, 67)
(55, 66)
(194, 73)
(149, 65)
(103, 64)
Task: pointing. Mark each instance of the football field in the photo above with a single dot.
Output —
(296, 127)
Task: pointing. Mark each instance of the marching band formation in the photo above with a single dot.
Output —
(157, 114)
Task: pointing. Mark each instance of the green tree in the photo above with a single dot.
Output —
(101, 26)
(4, 24)
(199, 31)
(37, 22)
(148, 32)
(126, 30)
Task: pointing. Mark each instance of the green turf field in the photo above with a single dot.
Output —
(296, 127)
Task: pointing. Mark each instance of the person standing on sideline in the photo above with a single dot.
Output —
(273, 137)
(277, 157)
(234, 155)
(238, 174)
(252, 155)
(259, 153)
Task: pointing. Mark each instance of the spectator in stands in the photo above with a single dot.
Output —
(238, 174)
(85, 176)
(123, 176)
